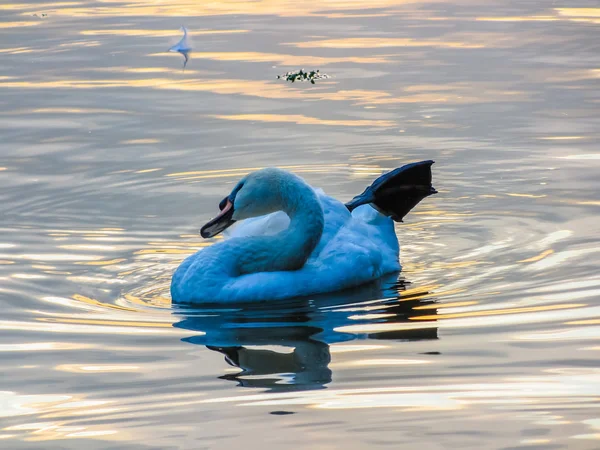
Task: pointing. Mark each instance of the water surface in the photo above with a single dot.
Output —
(112, 157)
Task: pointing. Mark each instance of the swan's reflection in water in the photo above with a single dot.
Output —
(307, 327)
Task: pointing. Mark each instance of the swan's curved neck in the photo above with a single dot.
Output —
(289, 249)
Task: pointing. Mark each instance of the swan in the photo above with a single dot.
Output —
(296, 241)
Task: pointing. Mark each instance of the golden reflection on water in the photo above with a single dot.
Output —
(149, 170)
(493, 312)
(106, 323)
(155, 33)
(584, 322)
(55, 430)
(565, 388)
(483, 318)
(16, 51)
(380, 362)
(150, 69)
(40, 5)
(72, 111)
(288, 60)
(365, 42)
(557, 258)
(581, 333)
(92, 247)
(99, 232)
(447, 305)
(172, 251)
(586, 15)
(304, 120)
(97, 368)
(305, 168)
(165, 8)
(141, 142)
(83, 302)
(586, 202)
(561, 138)
(18, 24)
(537, 257)
(78, 326)
(526, 195)
(578, 12)
(150, 297)
(14, 404)
(46, 257)
(109, 262)
(518, 19)
(44, 346)
(458, 93)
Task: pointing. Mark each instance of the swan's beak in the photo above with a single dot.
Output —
(221, 222)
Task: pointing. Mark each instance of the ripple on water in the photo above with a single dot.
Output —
(112, 163)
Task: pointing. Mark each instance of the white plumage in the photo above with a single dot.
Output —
(294, 241)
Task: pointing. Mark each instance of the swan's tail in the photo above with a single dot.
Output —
(395, 193)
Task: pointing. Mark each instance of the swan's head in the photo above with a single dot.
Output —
(256, 194)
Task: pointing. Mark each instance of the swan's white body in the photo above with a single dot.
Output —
(312, 245)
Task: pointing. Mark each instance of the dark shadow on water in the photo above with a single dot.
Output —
(302, 330)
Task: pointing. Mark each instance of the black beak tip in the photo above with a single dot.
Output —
(219, 223)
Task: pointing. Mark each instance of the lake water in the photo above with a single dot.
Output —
(112, 157)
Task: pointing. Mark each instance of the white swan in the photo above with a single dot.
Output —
(297, 241)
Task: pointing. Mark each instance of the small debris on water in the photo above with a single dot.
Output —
(184, 47)
(302, 75)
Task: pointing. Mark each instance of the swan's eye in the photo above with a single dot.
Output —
(230, 197)
(236, 190)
